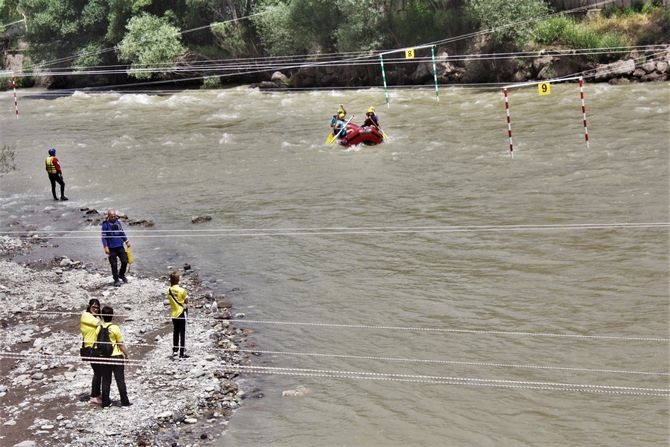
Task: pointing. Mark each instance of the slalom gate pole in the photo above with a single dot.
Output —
(581, 95)
(16, 104)
(386, 92)
(509, 124)
(432, 52)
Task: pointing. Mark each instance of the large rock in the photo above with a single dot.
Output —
(615, 70)
(279, 78)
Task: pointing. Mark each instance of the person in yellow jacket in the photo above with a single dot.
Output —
(88, 324)
(178, 298)
(114, 364)
(55, 174)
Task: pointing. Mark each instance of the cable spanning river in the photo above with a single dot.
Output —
(432, 290)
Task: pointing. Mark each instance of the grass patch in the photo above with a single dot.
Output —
(565, 31)
(645, 25)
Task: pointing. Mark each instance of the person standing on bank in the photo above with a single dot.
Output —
(113, 240)
(88, 324)
(55, 174)
(178, 298)
(115, 364)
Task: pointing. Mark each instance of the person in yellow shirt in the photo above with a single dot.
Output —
(88, 324)
(178, 298)
(115, 363)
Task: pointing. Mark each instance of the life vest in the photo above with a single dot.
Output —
(51, 167)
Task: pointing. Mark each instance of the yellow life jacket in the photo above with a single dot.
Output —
(51, 167)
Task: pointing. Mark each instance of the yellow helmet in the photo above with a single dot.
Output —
(340, 113)
(371, 110)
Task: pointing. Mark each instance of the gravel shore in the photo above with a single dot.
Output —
(44, 386)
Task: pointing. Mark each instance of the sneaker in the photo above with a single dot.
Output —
(126, 404)
(117, 283)
(63, 198)
(96, 400)
(55, 198)
(124, 279)
(184, 356)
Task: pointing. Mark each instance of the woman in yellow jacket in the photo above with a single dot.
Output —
(178, 298)
(88, 324)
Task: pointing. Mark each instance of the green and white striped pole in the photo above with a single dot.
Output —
(386, 92)
(437, 94)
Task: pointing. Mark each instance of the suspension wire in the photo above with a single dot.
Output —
(65, 357)
(257, 65)
(459, 331)
(74, 339)
(392, 328)
(446, 380)
(322, 231)
(454, 362)
(396, 377)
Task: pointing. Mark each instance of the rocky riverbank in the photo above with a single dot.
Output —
(641, 65)
(44, 386)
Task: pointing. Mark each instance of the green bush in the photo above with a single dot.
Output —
(567, 32)
(552, 30)
(211, 82)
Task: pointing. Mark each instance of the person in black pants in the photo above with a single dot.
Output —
(115, 363)
(55, 174)
(88, 325)
(178, 298)
(113, 240)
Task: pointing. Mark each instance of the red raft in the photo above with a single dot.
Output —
(368, 135)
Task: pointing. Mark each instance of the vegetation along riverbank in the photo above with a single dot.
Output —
(329, 44)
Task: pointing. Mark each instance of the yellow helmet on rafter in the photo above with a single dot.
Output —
(371, 110)
(340, 113)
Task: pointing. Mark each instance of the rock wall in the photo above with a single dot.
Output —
(652, 64)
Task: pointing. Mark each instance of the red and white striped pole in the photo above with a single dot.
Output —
(581, 95)
(16, 104)
(509, 123)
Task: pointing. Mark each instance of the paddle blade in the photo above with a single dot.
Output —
(330, 139)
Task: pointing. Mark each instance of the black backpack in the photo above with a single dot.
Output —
(103, 347)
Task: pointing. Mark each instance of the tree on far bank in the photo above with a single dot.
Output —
(510, 23)
(152, 45)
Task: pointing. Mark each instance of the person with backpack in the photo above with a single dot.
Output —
(88, 324)
(178, 298)
(112, 353)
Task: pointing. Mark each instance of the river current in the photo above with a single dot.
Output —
(432, 290)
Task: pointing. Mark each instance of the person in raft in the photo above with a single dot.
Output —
(55, 174)
(338, 122)
(371, 118)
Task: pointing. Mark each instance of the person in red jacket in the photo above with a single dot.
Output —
(55, 174)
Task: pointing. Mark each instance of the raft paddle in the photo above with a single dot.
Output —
(330, 139)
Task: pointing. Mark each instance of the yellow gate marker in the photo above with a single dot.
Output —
(409, 54)
(544, 88)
